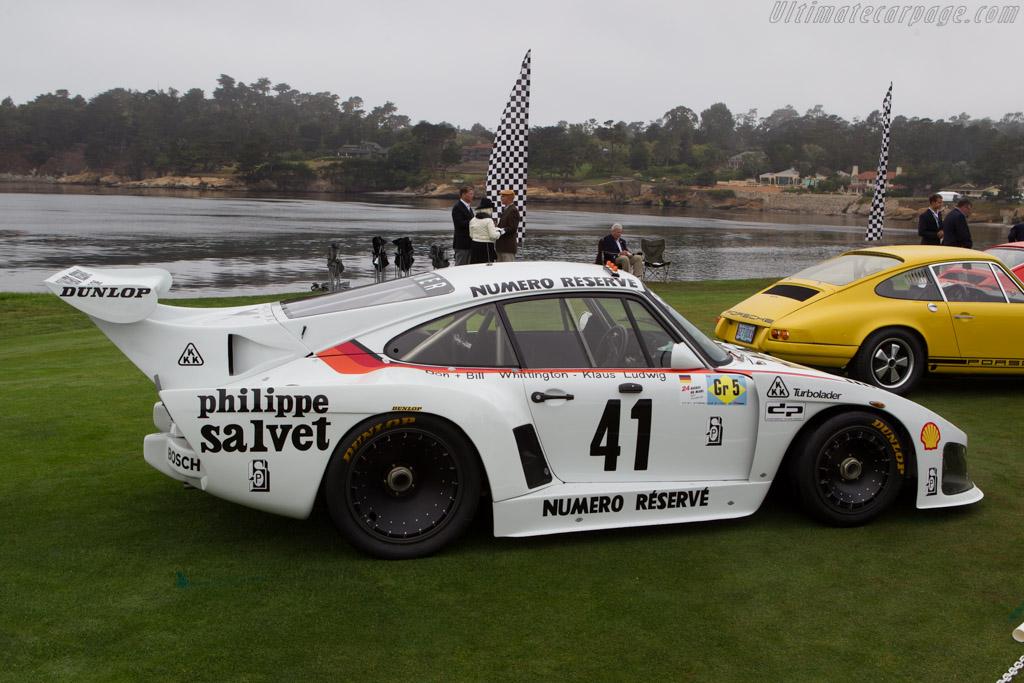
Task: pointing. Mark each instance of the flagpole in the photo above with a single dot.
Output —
(876, 219)
(507, 168)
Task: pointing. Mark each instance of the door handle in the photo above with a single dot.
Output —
(963, 316)
(540, 397)
(630, 388)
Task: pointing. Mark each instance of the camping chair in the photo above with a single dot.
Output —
(334, 267)
(654, 258)
(380, 260)
(438, 258)
(600, 253)
(403, 256)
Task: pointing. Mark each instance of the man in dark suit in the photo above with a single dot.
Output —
(615, 250)
(929, 224)
(462, 214)
(505, 246)
(1016, 233)
(956, 232)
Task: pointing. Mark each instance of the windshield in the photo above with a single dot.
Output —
(715, 353)
(847, 268)
(1011, 257)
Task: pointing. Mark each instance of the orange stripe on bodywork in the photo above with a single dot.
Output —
(351, 359)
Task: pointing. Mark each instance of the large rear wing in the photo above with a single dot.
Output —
(117, 295)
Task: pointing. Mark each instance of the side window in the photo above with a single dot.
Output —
(587, 332)
(915, 285)
(547, 332)
(473, 338)
(1010, 287)
(655, 340)
(968, 281)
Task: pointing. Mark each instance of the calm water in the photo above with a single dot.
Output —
(232, 245)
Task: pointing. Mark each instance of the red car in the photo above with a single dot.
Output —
(1012, 254)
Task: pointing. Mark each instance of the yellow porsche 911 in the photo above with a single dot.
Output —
(887, 314)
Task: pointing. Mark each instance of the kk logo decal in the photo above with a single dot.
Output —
(190, 356)
(930, 436)
(727, 390)
(259, 476)
(714, 432)
(778, 389)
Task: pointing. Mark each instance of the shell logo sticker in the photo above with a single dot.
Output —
(930, 436)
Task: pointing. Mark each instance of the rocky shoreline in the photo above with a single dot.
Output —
(615, 193)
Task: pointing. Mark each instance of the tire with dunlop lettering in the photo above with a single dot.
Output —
(849, 469)
(402, 485)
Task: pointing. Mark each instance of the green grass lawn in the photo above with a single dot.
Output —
(111, 571)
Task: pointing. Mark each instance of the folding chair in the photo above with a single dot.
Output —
(438, 258)
(654, 258)
(403, 256)
(334, 267)
(380, 260)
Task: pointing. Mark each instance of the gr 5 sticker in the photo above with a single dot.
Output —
(727, 390)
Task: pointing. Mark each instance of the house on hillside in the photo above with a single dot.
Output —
(973, 191)
(811, 181)
(364, 150)
(481, 152)
(788, 178)
(736, 162)
(862, 181)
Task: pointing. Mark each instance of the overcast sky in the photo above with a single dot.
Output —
(456, 61)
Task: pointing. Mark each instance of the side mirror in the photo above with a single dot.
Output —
(683, 358)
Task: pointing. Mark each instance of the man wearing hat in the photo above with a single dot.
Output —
(505, 246)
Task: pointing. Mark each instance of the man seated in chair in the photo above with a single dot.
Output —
(615, 250)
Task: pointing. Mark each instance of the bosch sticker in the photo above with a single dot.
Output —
(259, 476)
(714, 431)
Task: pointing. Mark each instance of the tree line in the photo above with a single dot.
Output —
(265, 132)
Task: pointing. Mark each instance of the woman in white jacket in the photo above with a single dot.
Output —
(483, 233)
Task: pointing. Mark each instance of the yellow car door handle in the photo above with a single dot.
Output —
(963, 316)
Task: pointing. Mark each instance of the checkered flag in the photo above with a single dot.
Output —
(507, 167)
(877, 216)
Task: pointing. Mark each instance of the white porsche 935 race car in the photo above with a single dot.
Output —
(570, 395)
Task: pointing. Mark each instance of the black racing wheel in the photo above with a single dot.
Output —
(402, 485)
(848, 470)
